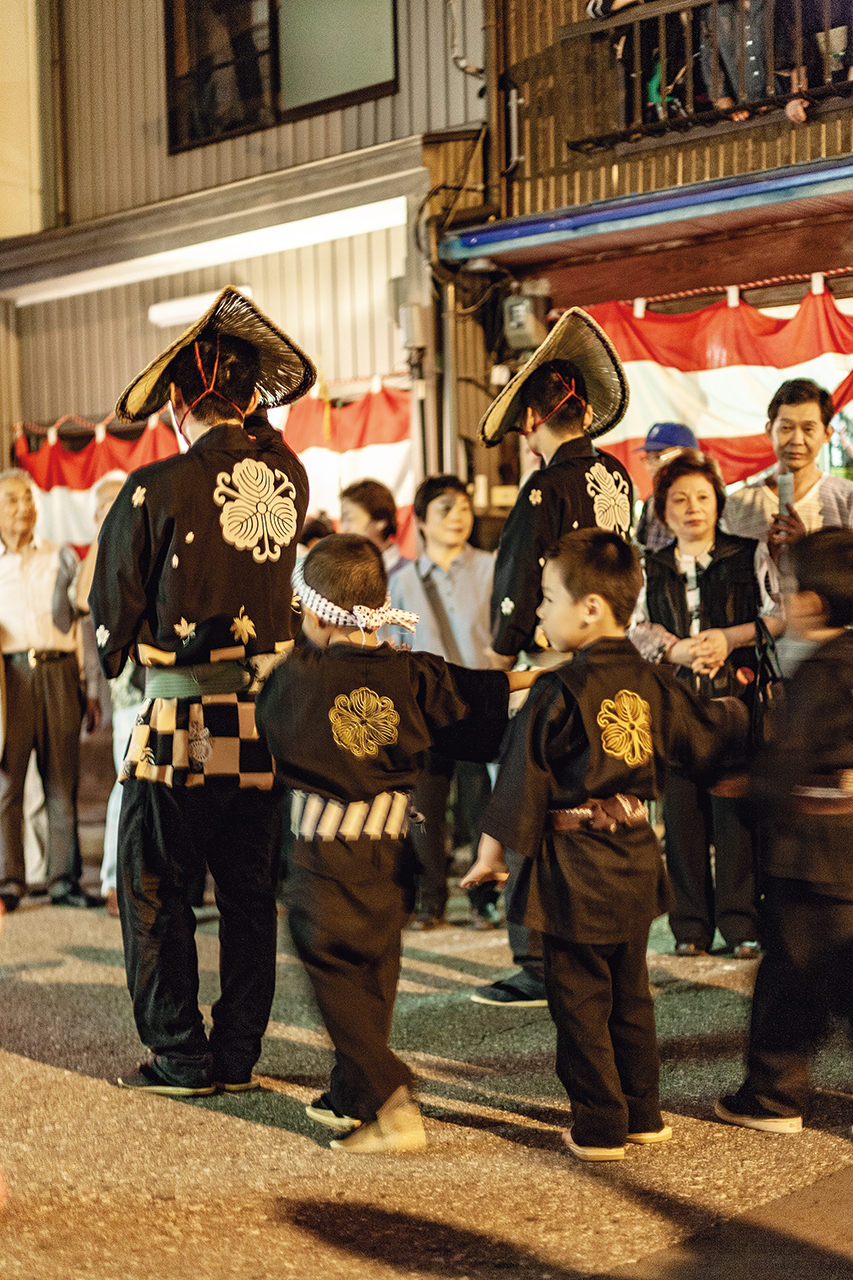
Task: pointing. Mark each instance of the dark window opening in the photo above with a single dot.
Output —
(234, 66)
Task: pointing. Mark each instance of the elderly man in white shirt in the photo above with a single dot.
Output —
(43, 702)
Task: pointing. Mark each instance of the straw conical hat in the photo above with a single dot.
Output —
(286, 373)
(577, 338)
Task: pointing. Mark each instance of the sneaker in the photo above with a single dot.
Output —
(689, 949)
(238, 1086)
(322, 1110)
(487, 917)
(421, 924)
(746, 951)
(148, 1080)
(732, 1110)
(76, 898)
(398, 1127)
(10, 901)
(655, 1135)
(520, 990)
(591, 1153)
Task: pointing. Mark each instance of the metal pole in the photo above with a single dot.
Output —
(450, 414)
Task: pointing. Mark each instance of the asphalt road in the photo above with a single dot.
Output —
(106, 1185)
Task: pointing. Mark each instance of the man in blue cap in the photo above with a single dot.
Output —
(665, 441)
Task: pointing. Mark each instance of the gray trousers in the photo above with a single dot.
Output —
(43, 713)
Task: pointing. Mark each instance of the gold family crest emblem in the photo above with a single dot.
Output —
(363, 722)
(626, 725)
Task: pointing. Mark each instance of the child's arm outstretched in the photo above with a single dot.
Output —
(524, 679)
(490, 864)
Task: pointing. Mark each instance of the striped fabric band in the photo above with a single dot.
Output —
(363, 617)
(314, 817)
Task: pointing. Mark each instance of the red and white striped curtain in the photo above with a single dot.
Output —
(65, 478)
(717, 369)
(368, 439)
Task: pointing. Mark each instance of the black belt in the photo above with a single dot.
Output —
(35, 657)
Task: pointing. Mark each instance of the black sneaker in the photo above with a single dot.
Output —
(421, 924)
(752, 1115)
(520, 991)
(485, 917)
(690, 949)
(76, 898)
(148, 1080)
(322, 1110)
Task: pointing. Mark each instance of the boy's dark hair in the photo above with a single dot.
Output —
(823, 562)
(596, 562)
(547, 386)
(433, 487)
(314, 528)
(348, 570)
(377, 500)
(689, 463)
(801, 391)
(237, 367)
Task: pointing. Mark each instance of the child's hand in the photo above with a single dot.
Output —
(490, 864)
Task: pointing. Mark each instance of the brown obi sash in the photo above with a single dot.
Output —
(600, 815)
(825, 793)
(822, 793)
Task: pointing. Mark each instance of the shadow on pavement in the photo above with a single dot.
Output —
(737, 1250)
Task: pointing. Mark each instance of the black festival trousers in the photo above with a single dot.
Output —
(165, 836)
(804, 979)
(607, 1057)
(348, 902)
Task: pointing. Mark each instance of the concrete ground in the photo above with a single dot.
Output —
(106, 1185)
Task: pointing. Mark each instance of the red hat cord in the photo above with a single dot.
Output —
(209, 388)
(570, 391)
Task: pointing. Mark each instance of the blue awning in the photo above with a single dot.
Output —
(773, 195)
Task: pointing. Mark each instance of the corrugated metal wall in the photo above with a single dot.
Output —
(115, 69)
(331, 298)
(10, 391)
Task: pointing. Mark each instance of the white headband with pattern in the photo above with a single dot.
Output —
(362, 616)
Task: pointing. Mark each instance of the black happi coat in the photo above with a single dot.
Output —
(812, 736)
(351, 722)
(729, 595)
(195, 555)
(580, 488)
(605, 723)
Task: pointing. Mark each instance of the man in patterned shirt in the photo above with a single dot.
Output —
(571, 391)
(192, 581)
(799, 424)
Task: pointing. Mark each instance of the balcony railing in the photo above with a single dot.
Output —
(666, 66)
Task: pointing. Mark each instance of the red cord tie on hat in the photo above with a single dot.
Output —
(570, 392)
(210, 389)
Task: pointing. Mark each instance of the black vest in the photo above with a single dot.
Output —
(729, 595)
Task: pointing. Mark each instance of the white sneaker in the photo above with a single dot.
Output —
(398, 1127)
